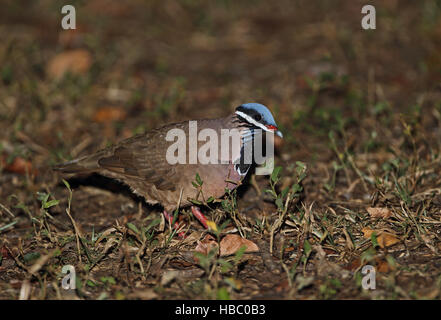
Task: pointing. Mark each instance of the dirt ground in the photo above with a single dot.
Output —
(360, 109)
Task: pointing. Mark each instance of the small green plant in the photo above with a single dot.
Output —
(229, 204)
(330, 186)
(294, 190)
(220, 272)
(197, 184)
(286, 196)
(46, 204)
(144, 236)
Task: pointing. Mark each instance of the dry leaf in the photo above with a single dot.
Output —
(108, 114)
(367, 232)
(212, 225)
(206, 245)
(353, 265)
(18, 165)
(384, 239)
(75, 61)
(387, 240)
(382, 266)
(231, 243)
(383, 213)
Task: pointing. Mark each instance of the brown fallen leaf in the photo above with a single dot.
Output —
(5, 253)
(382, 266)
(387, 240)
(384, 239)
(76, 61)
(353, 265)
(18, 165)
(231, 243)
(367, 232)
(206, 245)
(109, 114)
(383, 213)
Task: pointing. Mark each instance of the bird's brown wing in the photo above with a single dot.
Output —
(142, 158)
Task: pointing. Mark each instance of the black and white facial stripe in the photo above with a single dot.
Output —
(251, 117)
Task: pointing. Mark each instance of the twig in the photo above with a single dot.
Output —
(7, 210)
(279, 222)
(77, 231)
(255, 185)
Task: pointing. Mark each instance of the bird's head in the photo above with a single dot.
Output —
(257, 115)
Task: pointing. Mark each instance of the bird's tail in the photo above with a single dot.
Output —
(86, 164)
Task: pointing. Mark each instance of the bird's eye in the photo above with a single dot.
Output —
(257, 117)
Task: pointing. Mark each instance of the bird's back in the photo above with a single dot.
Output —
(143, 163)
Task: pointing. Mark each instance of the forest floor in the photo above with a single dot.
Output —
(360, 111)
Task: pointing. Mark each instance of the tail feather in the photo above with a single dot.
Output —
(87, 164)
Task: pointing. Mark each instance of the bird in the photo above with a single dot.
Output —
(146, 163)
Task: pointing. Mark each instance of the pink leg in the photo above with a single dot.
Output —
(199, 215)
(176, 225)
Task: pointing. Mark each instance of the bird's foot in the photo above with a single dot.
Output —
(200, 216)
(196, 212)
(176, 225)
